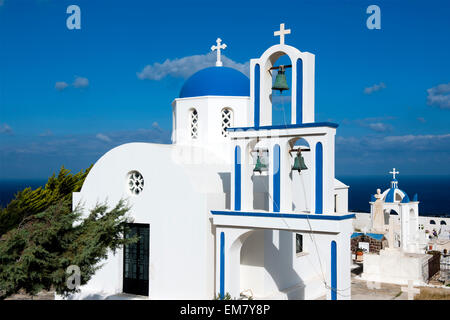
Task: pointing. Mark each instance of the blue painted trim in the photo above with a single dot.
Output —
(222, 265)
(319, 178)
(283, 215)
(237, 178)
(276, 178)
(287, 126)
(299, 110)
(257, 104)
(333, 270)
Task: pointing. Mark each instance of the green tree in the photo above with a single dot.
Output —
(29, 202)
(34, 256)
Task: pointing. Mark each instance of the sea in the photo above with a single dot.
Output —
(433, 191)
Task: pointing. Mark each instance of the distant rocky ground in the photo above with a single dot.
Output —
(360, 291)
(43, 295)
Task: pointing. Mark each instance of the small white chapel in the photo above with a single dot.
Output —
(395, 217)
(236, 205)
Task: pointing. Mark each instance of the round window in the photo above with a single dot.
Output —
(135, 182)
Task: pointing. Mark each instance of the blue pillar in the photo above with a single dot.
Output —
(333, 271)
(276, 178)
(222, 265)
(319, 177)
(256, 92)
(237, 178)
(299, 108)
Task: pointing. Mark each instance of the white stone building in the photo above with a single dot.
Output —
(405, 258)
(401, 217)
(208, 223)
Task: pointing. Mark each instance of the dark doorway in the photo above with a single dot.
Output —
(136, 260)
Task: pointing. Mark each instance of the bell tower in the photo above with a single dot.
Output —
(302, 82)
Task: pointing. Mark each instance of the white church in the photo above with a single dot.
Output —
(395, 218)
(235, 205)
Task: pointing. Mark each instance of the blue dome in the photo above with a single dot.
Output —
(405, 199)
(216, 81)
(390, 196)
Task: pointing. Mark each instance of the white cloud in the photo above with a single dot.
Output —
(80, 82)
(376, 124)
(439, 96)
(405, 143)
(5, 129)
(380, 127)
(103, 137)
(374, 88)
(417, 138)
(186, 66)
(61, 85)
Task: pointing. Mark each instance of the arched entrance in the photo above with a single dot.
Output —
(261, 263)
(252, 269)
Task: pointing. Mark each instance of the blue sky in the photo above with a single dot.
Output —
(68, 96)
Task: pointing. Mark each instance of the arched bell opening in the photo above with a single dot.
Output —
(259, 163)
(393, 212)
(277, 88)
(301, 164)
(281, 94)
(386, 217)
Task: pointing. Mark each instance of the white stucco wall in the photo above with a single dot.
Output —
(175, 203)
(395, 266)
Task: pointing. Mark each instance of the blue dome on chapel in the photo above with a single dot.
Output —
(216, 81)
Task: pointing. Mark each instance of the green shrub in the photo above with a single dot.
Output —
(27, 202)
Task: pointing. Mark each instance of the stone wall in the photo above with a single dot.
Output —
(374, 245)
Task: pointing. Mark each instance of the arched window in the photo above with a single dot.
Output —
(443, 222)
(193, 123)
(227, 120)
(432, 222)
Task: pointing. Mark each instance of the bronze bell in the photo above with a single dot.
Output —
(299, 162)
(280, 81)
(259, 167)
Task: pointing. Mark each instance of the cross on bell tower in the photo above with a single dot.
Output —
(281, 33)
(218, 47)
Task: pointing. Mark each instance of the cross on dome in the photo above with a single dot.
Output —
(218, 47)
(281, 33)
(393, 172)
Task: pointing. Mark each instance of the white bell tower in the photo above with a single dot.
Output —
(302, 91)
